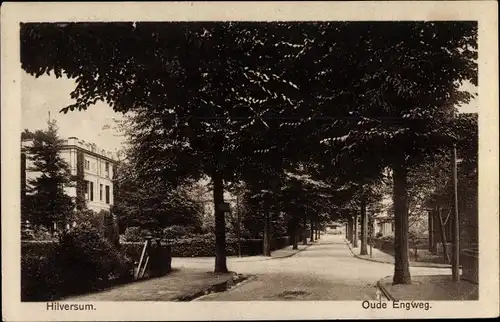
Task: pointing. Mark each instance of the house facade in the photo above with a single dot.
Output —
(96, 171)
(383, 225)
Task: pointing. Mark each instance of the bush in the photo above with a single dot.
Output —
(132, 250)
(87, 259)
(39, 278)
(204, 246)
(29, 232)
(82, 261)
(197, 246)
(109, 227)
(176, 232)
(135, 234)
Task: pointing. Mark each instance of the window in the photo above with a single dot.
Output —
(100, 192)
(87, 164)
(107, 194)
(91, 191)
(87, 189)
(107, 169)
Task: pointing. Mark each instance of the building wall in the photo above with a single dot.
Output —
(95, 161)
(383, 226)
(95, 173)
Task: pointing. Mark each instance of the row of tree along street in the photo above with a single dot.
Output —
(304, 118)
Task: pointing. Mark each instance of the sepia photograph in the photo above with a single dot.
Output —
(250, 161)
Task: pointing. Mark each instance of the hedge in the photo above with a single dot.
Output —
(201, 246)
(92, 261)
(81, 261)
(386, 244)
(204, 246)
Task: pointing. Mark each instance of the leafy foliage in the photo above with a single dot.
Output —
(233, 101)
(152, 205)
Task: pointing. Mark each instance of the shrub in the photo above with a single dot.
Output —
(135, 234)
(132, 250)
(81, 261)
(176, 232)
(86, 259)
(109, 227)
(40, 280)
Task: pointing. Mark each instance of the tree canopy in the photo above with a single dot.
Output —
(219, 98)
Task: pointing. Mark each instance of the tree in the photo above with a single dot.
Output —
(209, 88)
(27, 135)
(152, 205)
(201, 85)
(408, 115)
(46, 198)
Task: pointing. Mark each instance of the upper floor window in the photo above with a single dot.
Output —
(106, 169)
(87, 164)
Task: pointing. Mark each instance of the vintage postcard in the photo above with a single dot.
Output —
(249, 160)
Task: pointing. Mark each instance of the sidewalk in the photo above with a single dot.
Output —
(430, 288)
(183, 284)
(288, 251)
(381, 257)
(179, 285)
(279, 253)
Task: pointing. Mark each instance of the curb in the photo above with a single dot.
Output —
(214, 288)
(231, 282)
(290, 255)
(425, 265)
(384, 291)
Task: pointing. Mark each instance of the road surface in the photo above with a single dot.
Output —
(325, 270)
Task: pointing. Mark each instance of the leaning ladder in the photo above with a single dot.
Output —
(143, 261)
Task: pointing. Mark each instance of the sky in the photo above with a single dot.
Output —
(47, 93)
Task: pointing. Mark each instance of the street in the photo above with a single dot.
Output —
(325, 270)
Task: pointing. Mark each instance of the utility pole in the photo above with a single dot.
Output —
(455, 260)
(239, 226)
(370, 220)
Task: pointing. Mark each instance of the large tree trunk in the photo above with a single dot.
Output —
(220, 223)
(435, 230)
(401, 262)
(349, 229)
(364, 228)
(295, 240)
(267, 236)
(311, 232)
(304, 231)
(431, 230)
(355, 232)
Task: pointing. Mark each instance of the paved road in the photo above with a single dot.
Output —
(324, 271)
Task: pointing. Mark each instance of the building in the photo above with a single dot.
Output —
(97, 169)
(383, 225)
